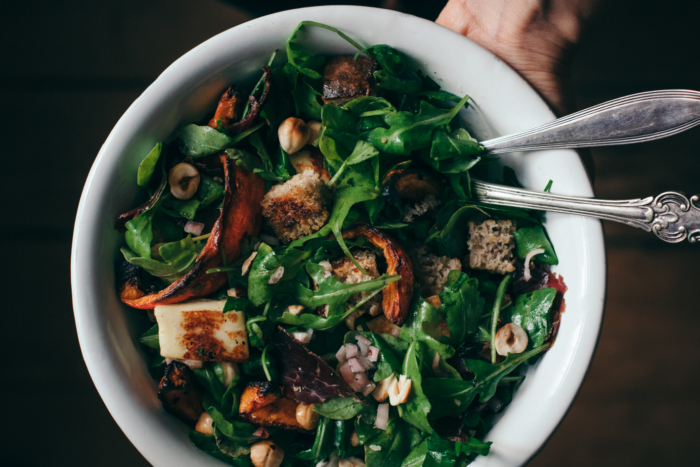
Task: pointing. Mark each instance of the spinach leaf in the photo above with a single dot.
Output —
(388, 57)
(200, 141)
(207, 377)
(390, 447)
(306, 99)
(450, 397)
(150, 338)
(461, 306)
(415, 411)
(387, 363)
(323, 444)
(458, 143)
(178, 259)
(139, 231)
(416, 458)
(473, 446)
(452, 239)
(407, 131)
(340, 408)
(440, 452)
(299, 58)
(265, 264)
(209, 190)
(343, 436)
(148, 165)
(531, 312)
(533, 238)
(409, 84)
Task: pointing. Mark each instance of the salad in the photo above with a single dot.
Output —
(325, 291)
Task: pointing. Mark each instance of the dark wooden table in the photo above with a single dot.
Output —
(70, 69)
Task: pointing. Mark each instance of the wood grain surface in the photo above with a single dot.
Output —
(70, 69)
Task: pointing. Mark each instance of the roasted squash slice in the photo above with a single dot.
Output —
(240, 218)
(264, 404)
(181, 393)
(411, 185)
(396, 297)
(226, 108)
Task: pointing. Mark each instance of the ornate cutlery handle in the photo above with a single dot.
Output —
(671, 216)
(632, 119)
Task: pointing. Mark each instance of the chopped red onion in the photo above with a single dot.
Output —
(359, 382)
(303, 337)
(373, 353)
(261, 432)
(382, 419)
(367, 390)
(276, 276)
(526, 273)
(347, 373)
(194, 228)
(356, 365)
(341, 354)
(366, 363)
(436, 364)
(363, 343)
(351, 350)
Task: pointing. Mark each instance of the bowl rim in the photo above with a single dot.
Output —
(87, 322)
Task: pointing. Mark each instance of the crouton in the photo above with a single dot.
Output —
(297, 207)
(264, 404)
(430, 270)
(491, 246)
(310, 159)
(346, 272)
(345, 79)
(420, 208)
(181, 393)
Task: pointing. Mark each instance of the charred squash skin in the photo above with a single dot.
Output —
(181, 393)
(226, 109)
(410, 184)
(264, 404)
(396, 297)
(241, 215)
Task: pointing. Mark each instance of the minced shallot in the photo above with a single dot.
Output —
(382, 419)
(194, 228)
(526, 273)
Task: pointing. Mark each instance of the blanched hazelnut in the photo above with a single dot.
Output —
(293, 134)
(231, 370)
(204, 424)
(314, 129)
(247, 263)
(381, 392)
(511, 338)
(307, 417)
(354, 439)
(295, 309)
(266, 454)
(184, 180)
(399, 391)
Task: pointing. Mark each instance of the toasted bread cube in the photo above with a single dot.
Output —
(297, 207)
(345, 79)
(430, 270)
(264, 404)
(199, 330)
(491, 245)
(346, 272)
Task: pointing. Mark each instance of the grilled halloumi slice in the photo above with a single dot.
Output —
(199, 330)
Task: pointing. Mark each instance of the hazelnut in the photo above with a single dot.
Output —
(351, 462)
(354, 439)
(266, 454)
(295, 309)
(307, 417)
(184, 180)
(399, 391)
(293, 134)
(315, 130)
(204, 424)
(247, 263)
(381, 392)
(511, 338)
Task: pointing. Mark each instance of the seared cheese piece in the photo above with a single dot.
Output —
(198, 330)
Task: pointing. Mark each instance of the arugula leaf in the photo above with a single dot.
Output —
(148, 165)
(440, 452)
(207, 377)
(323, 444)
(416, 458)
(139, 230)
(340, 408)
(531, 312)
(409, 84)
(390, 447)
(408, 131)
(343, 437)
(178, 259)
(208, 444)
(368, 106)
(265, 264)
(209, 190)
(461, 306)
(533, 238)
(200, 141)
(387, 363)
(150, 338)
(388, 57)
(473, 446)
(416, 410)
(496, 310)
(363, 151)
(452, 238)
(306, 99)
(455, 144)
(450, 397)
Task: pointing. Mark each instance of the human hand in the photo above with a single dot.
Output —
(537, 38)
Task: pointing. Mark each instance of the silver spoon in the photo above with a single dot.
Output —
(671, 216)
(632, 119)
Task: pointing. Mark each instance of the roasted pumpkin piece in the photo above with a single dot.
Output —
(396, 296)
(181, 393)
(346, 78)
(264, 404)
(240, 218)
(227, 107)
(411, 185)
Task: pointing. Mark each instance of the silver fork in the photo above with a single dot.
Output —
(632, 119)
(671, 216)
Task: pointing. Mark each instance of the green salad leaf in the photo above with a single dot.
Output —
(340, 408)
(462, 306)
(528, 239)
(148, 165)
(531, 312)
(178, 258)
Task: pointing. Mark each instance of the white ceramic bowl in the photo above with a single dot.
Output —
(190, 87)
